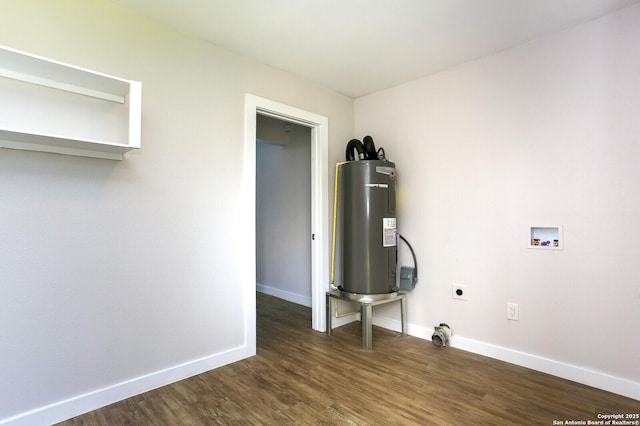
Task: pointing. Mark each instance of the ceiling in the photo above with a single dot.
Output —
(357, 47)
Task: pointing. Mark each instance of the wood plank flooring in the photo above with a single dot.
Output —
(302, 377)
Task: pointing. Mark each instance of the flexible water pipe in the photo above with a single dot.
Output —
(335, 214)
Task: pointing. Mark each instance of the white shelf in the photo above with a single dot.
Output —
(62, 145)
(50, 106)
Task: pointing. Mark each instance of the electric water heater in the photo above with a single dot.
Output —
(366, 219)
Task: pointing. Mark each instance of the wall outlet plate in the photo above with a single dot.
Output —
(513, 312)
(459, 292)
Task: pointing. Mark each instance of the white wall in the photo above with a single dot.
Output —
(120, 276)
(283, 216)
(545, 133)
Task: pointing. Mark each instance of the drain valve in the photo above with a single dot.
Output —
(441, 335)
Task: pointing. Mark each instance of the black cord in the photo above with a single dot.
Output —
(415, 260)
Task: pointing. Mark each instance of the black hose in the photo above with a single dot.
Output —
(369, 148)
(358, 146)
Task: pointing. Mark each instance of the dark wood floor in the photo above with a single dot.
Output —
(307, 378)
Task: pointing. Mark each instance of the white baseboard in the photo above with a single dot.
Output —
(81, 404)
(564, 370)
(286, 295)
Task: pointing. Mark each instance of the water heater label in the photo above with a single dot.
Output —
(388, 232)
(385, 170)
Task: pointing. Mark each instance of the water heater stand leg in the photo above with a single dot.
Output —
(365, 313)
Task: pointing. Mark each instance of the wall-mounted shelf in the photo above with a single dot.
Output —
(545, 237)
(50, 106)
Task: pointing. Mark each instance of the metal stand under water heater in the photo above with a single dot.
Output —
(365, 236)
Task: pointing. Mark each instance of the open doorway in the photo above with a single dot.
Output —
(283, 209)
(319, 237)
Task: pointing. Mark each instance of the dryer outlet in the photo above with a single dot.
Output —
(459, 291)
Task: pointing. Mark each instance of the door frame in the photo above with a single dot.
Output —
(255, 105)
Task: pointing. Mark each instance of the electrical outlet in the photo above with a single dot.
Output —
(512, 311)
(459, 292)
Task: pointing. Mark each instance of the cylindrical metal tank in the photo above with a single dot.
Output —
(367, 194)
